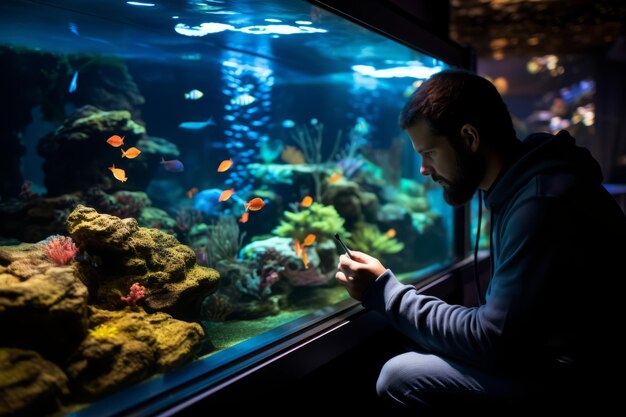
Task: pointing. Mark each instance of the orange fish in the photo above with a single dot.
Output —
(306, 201)
(244, 217)
(296, 247)
(309, 239)
(192, 191)
(334, 178)
(116, 140)
(305, 259)
(226, 194)
(118, 173)
(224, 165)
(130, 153)
(255, 204)
(391, 233)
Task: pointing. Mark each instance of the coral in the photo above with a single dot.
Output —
(206, 201)
(258, 284)
(61, 249)
(137, 292)
(351, 202)
(129, 203)
(104, 331)
(323, 221)
(157, 219)
(174, 282)
(277, 253)
(309, 277)
(367, 238)
(217, 307)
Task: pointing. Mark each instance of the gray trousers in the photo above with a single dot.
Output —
(427, 381)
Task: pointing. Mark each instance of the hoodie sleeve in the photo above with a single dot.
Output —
(490, 333)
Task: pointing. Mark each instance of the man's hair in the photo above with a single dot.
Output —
(452, 98)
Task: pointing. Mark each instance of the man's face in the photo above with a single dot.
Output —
(458, 171)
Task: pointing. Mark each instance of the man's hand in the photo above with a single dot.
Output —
(359, 273)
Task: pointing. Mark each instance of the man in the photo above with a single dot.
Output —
(548, 324)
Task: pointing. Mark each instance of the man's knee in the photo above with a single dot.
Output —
(387, 382)
(400, 380)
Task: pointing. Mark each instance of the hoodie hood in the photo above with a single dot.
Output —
(543, 153)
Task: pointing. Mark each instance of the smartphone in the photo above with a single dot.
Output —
(343, 245)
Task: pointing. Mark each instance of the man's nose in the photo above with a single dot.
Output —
(425, 170)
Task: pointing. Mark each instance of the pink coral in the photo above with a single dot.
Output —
(137, 292)
(61, 249)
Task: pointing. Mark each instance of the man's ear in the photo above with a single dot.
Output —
(470, 137)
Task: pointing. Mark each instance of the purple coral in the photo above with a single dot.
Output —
(61, 249)
(137, 292)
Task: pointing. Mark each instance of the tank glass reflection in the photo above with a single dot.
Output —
(174, 173)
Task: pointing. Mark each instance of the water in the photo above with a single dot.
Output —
(304, 104)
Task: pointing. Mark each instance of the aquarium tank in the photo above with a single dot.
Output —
(173, 175)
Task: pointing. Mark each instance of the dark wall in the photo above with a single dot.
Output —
(432, 15)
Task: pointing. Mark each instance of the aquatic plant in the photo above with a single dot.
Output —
(319, 219)
(61, 249)
(309, 139)
(137, 292)
(270, 150)
(351, 167)
(224, 240)
(186, 218)
(367, 238)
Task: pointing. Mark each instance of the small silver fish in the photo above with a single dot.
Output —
(242, 100)
(194, 95)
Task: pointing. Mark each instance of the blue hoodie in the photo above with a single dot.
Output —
(556, 241)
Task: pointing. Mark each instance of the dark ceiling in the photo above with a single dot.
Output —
(501, 28)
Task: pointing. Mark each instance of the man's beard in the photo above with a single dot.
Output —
(471, 170)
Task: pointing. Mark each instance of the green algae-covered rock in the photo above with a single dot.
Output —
(134, 345)
(43, 306)
(29, 384)
(173, 281)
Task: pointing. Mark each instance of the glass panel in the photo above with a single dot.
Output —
(177, 171)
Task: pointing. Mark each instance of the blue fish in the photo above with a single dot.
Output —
(196, 125)
(73, 83)
(73, 27)
(173, 165)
